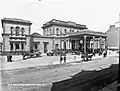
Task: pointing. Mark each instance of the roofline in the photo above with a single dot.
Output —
(15, 20)
(50, 23)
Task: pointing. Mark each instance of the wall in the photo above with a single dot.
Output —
(7, 27)
(41, 45)
(113, 37)
(53, 30)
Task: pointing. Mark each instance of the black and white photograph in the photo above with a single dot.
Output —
(59, 45)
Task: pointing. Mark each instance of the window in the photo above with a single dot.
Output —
(57, 31)
(22, 46)
(36, 47)
(11, 46)
(57, 28)
(22, 30)
(11, 30)
(17, 31)
(65, 31)
(47, 31)
(17, 46)
(72, 30)
(50, 31)
(56, 46)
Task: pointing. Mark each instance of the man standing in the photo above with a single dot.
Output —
(9, 58)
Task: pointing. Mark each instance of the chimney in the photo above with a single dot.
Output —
(112, 26)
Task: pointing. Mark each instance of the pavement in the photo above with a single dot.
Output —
(45, 74)
(19, 63)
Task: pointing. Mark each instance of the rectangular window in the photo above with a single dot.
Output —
(17, 46)
(22, 46)
(17, 33)
(56, 46)
(65, 31)
(11, 46)
(36, 46)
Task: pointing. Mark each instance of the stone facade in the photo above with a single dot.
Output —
(16, 35)
(113, 37)
(57, 34)
(0, 47)
(67, 35)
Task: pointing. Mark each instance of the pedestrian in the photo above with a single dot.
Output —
(61, 59)
(75, 57)
(24, 55)
(9, 58)
(64, 59)
(104, 53)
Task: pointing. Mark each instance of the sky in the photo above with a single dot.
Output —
(97, 15)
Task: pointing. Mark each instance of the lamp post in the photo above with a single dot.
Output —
(60, 47)
(118, 74)
(118, 78)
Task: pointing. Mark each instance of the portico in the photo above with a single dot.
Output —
(85, 41)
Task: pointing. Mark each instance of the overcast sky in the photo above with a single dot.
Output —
(97, 15)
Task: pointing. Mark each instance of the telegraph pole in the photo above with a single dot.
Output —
(118, 77)
(60, 47)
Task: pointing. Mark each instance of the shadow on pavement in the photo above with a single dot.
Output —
(88, 80)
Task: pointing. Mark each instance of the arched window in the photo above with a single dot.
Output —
(22, 31)
(50, 31)
(17, 31)
(65, 31)
(57, 31)
(11, 30)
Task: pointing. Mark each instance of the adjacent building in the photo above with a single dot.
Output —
(113, 37)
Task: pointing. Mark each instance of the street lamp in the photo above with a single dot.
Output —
(60, 47)
(118, 78)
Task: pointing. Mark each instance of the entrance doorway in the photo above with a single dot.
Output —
(45, 47)
(64, 45)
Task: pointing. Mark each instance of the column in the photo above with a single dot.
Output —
(20, 47)
(100, 43)
(105, 43)
(85, 44)
(13, 47)
(93, 43)
(53, 43)
(75, 44)
(68, 44)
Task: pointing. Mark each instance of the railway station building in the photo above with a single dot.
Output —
(57, 34)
